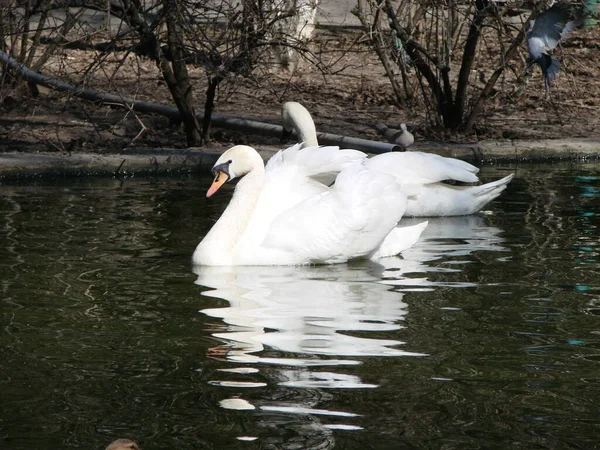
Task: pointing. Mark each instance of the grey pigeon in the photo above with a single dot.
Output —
(544, 34)
(402, 137)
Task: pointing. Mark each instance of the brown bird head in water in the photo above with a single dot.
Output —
(123, 444)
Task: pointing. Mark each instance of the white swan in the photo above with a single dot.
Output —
(282, 214)
(421, 174)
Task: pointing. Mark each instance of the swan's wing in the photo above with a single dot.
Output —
(296, 174)
(423, 168)
(290, 179)
(317, 163)
(349, 221)
(400, 238)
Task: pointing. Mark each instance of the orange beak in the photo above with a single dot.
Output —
(220, 179)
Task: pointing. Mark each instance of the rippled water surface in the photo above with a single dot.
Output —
(485, 335)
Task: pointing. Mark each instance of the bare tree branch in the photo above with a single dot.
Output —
(492, 81)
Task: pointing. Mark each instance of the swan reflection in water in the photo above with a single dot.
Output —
(305, 308)
(320, 316)
(451, 239)
(313, 310)
(299, 325)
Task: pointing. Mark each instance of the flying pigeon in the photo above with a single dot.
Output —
(544, 34)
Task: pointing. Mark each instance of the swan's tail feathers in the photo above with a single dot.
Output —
(493, 189)
(399, 239)
(489, 191)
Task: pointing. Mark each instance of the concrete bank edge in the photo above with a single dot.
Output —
(164, 161)
(516, 150)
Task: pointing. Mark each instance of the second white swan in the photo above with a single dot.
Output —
(422, 175)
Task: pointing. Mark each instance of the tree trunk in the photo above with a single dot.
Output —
(492, 81)
(209, 105)
(458, 109)
(179, 84)
(176, 77)
(376, 38)
(423, 64)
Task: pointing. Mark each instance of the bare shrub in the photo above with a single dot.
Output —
(226, 40)
(434, 52)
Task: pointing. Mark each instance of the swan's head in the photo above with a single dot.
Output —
(296, 117)
(235, 162)
(287, 122)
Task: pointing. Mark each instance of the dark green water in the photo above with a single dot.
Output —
(485, 335)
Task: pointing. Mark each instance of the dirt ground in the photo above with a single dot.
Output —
(348, 102)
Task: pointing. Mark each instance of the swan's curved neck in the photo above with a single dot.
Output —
(307, 133)
(305, 129)
(218, 245)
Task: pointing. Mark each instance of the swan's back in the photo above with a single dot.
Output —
(348, 221)
(423, 168)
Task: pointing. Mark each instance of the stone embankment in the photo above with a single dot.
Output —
(164, 161)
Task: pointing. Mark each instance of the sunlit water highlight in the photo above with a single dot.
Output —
(484, 335)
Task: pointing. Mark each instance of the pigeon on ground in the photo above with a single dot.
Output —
(402, 137)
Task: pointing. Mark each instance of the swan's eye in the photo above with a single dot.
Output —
(221, 170)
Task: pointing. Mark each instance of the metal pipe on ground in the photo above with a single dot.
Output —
(267, 129)
(232, 123)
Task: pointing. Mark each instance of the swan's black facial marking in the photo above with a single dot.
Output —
(285, 136)
(221, 169)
